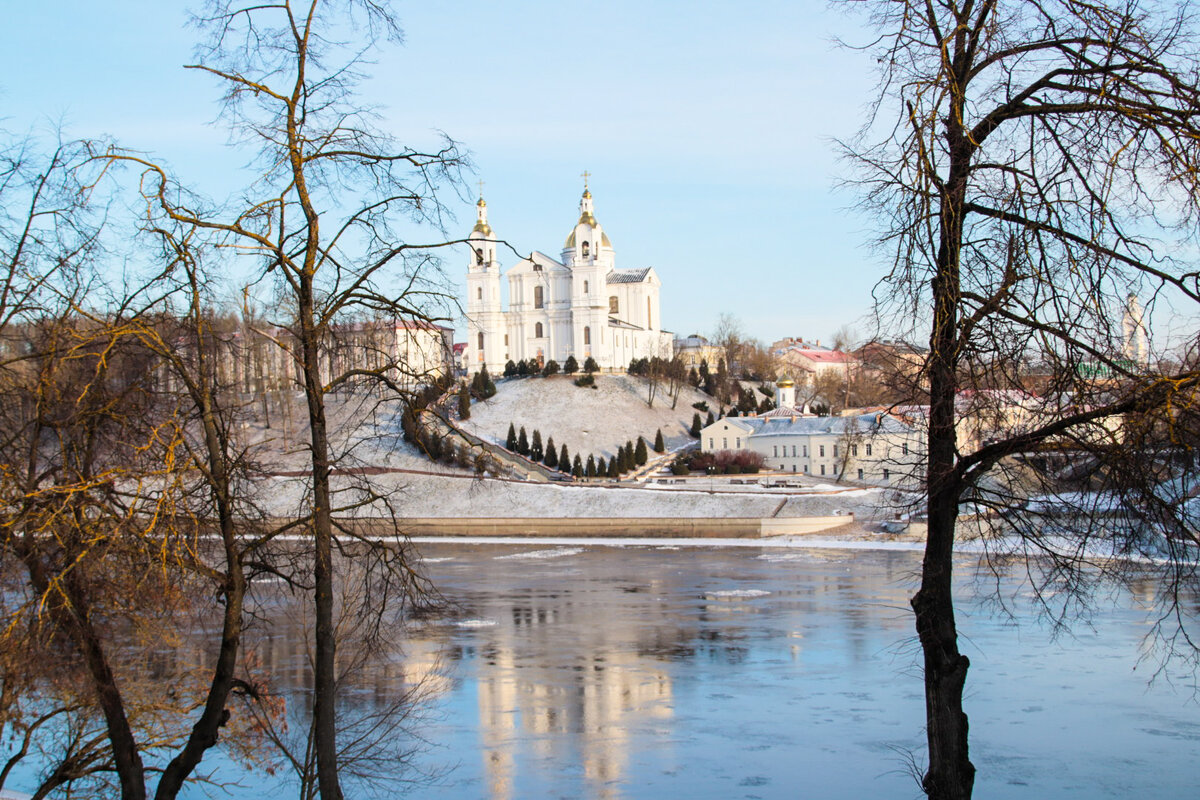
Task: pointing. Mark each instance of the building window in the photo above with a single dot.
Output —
(835, 469)
(835, 451)
(506, 340)
(854, 452)
(806, 469)
(904, 449)
(479, 293)
(793, 453)
(537, 298)
(822, 454)
(481, 340)
(585, 287)
(774, 451)
(586, 249)
(868, 449)
(710, 443)
(804, 451)
(887, 474)
(537, 331)
(860, 474)
(739, 443)
(478, 255)
(822, 469)
(613, 306)
(587, 335)
(649, 326)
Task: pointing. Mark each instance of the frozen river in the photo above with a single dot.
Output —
(581, 671)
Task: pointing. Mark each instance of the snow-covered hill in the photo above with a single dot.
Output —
(595, 421)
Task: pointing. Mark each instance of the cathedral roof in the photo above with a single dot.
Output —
(628, 275)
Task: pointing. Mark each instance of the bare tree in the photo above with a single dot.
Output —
(1028, 162)
(289, 81)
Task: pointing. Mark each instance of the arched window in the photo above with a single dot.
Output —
(585, 287)
(481, 340)
(587, 335)
(537, 298)
(479, 293)
(613, 306)
(585, 249)
(537, 331)
(478, 255)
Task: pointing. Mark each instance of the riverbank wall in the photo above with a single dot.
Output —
(608, 527)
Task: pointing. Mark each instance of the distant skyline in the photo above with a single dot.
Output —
(708, 134)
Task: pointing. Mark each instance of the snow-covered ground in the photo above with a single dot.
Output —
(367, 433)
(595, 421)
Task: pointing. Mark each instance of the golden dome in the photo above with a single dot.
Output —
(786, 383)
(481, 227)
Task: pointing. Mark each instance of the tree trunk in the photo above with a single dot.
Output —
(324, 639)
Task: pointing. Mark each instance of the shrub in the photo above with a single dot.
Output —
(586, 380)
(510, 369)
(590, 366)
(571, 366)
(701, 406)
(551, 368)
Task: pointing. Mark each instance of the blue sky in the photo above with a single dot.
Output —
(707, 128)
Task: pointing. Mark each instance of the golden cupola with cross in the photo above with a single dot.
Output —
(587, 243)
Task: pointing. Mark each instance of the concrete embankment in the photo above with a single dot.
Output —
(609, 527)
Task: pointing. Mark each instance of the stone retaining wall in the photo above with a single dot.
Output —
(624, 527)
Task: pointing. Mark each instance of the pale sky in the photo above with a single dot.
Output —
(707, 128)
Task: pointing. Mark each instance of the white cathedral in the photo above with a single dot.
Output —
(582, 306)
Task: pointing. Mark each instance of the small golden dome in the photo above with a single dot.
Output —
(786, 383)
(481, 227)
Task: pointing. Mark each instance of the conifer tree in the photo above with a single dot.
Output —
(564, 459)
(622, 460)
(614, 468)
(511, 442)
(464, 402)
(551, 459)
(601, 467)
(640, 455)
(522, 442)
(590, 365)
(535, 447)
(659, 445)
(577, 467)
(570, 366)
(551, 368)
(695, 429)
(590, 468)
(710, 420)
(487, 387)
(510, 369)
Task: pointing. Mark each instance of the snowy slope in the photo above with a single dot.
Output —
(595, 421)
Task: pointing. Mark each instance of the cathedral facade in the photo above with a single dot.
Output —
(581, 305)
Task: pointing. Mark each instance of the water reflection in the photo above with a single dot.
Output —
(646, 672)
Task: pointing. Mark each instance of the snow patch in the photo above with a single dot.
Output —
(737, 593)
(476, 623)
(538, 555)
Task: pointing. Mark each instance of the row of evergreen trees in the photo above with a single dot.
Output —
(628, 457)
(523, 368)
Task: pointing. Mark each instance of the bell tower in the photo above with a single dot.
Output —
(485, 321)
